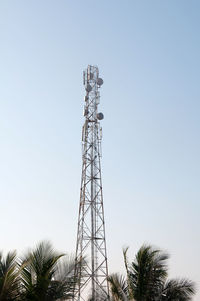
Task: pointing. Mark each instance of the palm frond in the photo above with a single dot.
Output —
(178, 289)
(118, 286)
(47, 275)
(9, 277)
(38, 269)
(130, 289)
(147, 272)
(65, 275)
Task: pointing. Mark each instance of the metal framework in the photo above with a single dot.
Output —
(91, 242)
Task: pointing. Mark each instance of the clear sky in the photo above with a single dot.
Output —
(148, 53)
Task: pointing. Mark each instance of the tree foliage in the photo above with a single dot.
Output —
(147, 279)
(9, 277)
(42, 275)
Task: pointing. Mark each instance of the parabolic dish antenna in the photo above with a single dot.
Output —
(100, 116)
(100, 81)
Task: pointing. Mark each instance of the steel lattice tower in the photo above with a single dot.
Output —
(91, 242)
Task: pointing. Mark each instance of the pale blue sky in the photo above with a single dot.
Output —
(148, 53)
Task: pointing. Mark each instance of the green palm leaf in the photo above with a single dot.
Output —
(178, 289)
(9, 277)
(147, 273)
(147, 278)
(42, 277)
(118, 286)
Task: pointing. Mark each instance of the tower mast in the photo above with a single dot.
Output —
(91, 243)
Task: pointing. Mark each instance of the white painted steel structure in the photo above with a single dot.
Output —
(91, 242)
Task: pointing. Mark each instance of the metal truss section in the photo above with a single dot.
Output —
(91, 243)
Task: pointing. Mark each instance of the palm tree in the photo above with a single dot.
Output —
(9, 277)
(44, 277)
(147, 279)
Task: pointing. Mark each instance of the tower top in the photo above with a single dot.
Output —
(92, 83)
(91, 75)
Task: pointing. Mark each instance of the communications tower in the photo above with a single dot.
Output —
(91, 243)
